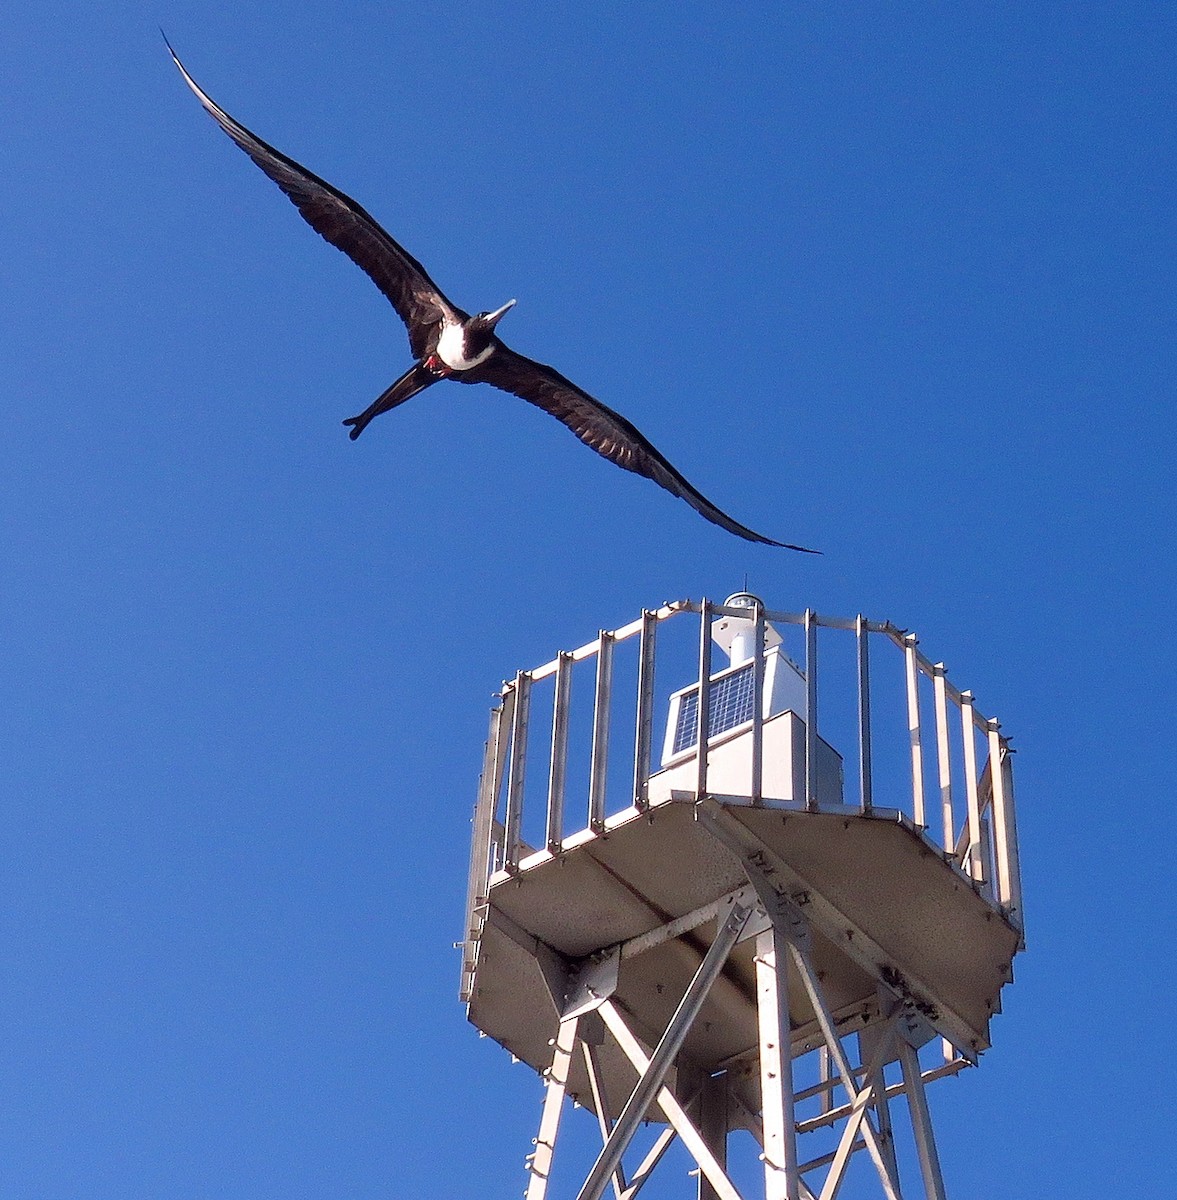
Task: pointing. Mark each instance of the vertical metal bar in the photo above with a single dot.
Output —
(943, 757)
(971, 780)
(502, 747)
(781, 1177)
(513, 835)
(921, 1122)
(558, 771)
(758, 705)
(555, 1088)
(988, 857)
(1009, 880)
(599, 767)
(1006, 826)
(811, 799)
(713, 1128)
(862, 634)
(645, 717)
(913, 726)
(480, 849)
(704, 706)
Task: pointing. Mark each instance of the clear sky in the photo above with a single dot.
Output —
(895, 284)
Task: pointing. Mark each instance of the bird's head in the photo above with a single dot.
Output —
(486, 321)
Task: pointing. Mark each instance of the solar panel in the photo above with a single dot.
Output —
(729, 703)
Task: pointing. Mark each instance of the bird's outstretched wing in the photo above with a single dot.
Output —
(599, 427)
(336, 217)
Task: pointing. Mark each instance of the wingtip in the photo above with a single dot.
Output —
(752, 536)
(171, 50)
(198, 91)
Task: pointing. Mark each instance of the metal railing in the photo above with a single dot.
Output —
(942, 764)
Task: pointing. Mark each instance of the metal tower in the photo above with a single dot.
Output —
(720, 940)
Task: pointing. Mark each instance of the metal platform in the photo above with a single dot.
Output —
(882, 900)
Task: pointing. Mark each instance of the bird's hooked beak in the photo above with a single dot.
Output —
(492, 319)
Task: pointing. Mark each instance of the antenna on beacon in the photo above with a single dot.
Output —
(735, 936)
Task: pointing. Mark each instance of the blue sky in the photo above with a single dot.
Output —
(897, 285)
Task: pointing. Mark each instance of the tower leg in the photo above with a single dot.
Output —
(714, 1123)
(556, 1088)
(883, 1117)
(781, 1179)
(921, 1121)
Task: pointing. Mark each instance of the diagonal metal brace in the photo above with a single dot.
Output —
(663, 1057)
(854, 941)
(783, 912)
(675, 1113)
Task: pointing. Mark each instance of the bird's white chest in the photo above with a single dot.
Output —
(451, 349)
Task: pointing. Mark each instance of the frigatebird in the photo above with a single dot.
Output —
(447, 342)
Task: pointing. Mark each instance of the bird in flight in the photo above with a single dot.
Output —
(448, 343)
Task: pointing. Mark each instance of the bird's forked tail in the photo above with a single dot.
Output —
(414, 380)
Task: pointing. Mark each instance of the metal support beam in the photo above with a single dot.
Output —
(859, 1119)
(713, 1128)
(539, 1163)
(858, 1105)
(703, 709)
(652, 1159)
(781, 1177)
(921, 1121)
(790, 932)
(652, 938)
(558, 769)
(662, 1059)
(811, 797)
(862, 636)
(604, 1113)
(847, 935)
(599, 761)
(882, 1109)
(674, 1112)
(645, 711)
